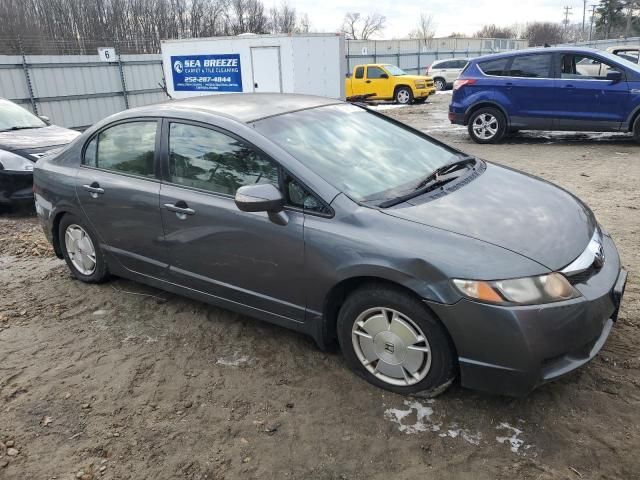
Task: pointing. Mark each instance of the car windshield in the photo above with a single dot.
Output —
(395, 71)
(15, 117)
(622, 61)
(360, 153)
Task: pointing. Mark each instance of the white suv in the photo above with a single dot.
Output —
(445, 72)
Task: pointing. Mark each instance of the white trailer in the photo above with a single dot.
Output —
(313, 64)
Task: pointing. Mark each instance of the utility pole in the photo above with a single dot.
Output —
(584, 14)
(593, 13)
(567, 12)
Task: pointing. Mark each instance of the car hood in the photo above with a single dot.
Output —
(512, 210)
(36, 139)
(412, 78)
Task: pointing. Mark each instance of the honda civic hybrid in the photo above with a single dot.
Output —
(424, 264)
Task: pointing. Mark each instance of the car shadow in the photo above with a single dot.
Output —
(569, 138)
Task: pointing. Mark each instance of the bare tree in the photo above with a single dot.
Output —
(544, 33)
(356, 27)
(493, 31)
(283, 19)
(426, 29)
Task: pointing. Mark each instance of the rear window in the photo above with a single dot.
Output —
(531, 66)
(494, 67)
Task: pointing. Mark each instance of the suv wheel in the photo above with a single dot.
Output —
(636, 129)
(404, 96)
(391, 339)
(440, 84)
(487, 125)
(81, 251)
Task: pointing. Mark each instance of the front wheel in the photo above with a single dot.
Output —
(487, 125)
(404, 96)
(440, 84)
(81, 250)
(392, 340)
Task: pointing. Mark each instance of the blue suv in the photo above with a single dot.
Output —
(575, 89)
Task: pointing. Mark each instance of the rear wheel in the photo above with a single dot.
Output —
(636, 129)
(392, 340)
(81, 250)
(487, 125)
(404, 96)
(440, 84)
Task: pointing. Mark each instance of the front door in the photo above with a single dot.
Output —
(590, 101)
(118, 187)
(379, 83)
(266, 69)
(242, 258)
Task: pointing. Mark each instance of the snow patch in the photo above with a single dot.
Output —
(234, 360)
(515, 442)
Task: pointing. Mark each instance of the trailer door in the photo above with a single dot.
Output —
(266, 69)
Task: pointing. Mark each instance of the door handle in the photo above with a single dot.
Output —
(255, 85)
(569, 86)
(367, 81)
(94, 189)
(180, 208)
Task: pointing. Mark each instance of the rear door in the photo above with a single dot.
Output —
(118, 187)
(531, 91)
(214, 248)
(266, 69)
(589, 101)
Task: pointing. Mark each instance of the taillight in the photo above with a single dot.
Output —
(461, 83)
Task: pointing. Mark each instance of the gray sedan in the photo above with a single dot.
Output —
(424, 264)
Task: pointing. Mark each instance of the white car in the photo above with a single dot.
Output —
(593, 68)
(445, 72)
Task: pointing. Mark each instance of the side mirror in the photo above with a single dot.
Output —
(45, 119)
(384, 75)
(614, 76)
(262, 198)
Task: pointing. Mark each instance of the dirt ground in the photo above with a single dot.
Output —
(121, 381)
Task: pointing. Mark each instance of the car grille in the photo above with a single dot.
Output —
(429, 83)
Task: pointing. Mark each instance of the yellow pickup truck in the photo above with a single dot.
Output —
(387, 82)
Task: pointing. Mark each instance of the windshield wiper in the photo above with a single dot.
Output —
(17, 128)
(432, 181)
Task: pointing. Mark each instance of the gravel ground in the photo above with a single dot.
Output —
(121, 381)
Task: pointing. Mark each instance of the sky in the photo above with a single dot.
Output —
(450, 15)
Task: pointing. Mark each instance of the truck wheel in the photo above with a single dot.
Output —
(440, 84)
(487, 125)
(404, 96)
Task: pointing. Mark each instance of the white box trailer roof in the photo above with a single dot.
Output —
(313, 64)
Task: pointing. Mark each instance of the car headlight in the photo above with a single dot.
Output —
(420, 84)
(12, 162)
(553, 287)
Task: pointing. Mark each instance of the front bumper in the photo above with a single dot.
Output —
(513, 350)
(424, 92)
(16, 188)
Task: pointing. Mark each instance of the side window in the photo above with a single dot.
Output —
(207, 159)
(531, 66)
(461, 63)
(127, 147)
(374, 72)
(494, 67)
(300, 197)
(360, 72)
(584, 67)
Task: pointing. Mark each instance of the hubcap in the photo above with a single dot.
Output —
(80, 249)
(403, 96)
(391, 346)
(485, 126)
(439, 85)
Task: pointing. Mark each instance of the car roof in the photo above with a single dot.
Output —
(525, 51)
(243, 107)
(440, 60)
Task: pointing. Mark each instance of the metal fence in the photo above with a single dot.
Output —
(415, 55)
(604, 44)
(75, 91)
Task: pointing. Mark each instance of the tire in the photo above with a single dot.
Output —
(84, 257)
(487, 125)
(403, 96)
(440, 84)
(367, 311)
(636, 129)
